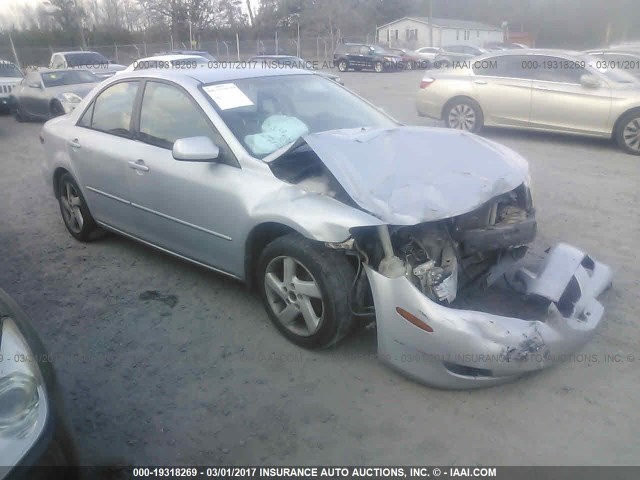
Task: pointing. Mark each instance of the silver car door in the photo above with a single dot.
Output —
(29, 95)
(99, 146)
(193, 209)
(503, 88)
(561, 103)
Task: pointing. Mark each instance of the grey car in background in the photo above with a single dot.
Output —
(45, 94)
(452, 54)
(334, 212)
(544, 90)
(95, 62)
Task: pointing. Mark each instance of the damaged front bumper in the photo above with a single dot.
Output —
(453, 348)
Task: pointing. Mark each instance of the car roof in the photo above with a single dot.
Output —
(169, 57)
(57, 70)
(532, 51)
(212, 75)
(78, 51)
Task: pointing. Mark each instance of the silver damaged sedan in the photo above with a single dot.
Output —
(334, 212)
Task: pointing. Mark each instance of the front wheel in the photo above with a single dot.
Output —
(378, 67)
(628, 133)
(409, 66)
(74, 210)
(463, 114)
(343, 66)
(304, 287)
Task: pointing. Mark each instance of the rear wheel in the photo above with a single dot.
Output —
(343, 65)
(409, 66)
(628, 133)
(304, 287)
(378, 67)
(463, 114)
(74, 210)
(18, 114)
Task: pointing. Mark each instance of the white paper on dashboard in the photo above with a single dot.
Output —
(227, 95)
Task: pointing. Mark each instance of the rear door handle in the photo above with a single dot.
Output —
(139, 165)
(480, 82)
(75, 144)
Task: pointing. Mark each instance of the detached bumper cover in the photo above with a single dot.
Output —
(470, 349)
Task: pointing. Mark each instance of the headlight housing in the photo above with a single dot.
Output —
(23, 399)
(72, 97)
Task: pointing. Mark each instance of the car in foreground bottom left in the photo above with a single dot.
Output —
(33, 430)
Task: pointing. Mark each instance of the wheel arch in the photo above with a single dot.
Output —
(259, 237)
(57, 174)
(616, 125)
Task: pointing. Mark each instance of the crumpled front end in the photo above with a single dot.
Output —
(452, 347)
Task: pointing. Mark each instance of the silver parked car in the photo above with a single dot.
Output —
(335, 212)
(625, 59)
(45, 94)
(545, 90)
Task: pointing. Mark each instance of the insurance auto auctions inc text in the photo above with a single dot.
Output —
(376, 472)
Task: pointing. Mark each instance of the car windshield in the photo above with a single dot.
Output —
(267, 113)
(612, 74)
(67, 77)
(77, 59)
(9, 70)
(378, 49)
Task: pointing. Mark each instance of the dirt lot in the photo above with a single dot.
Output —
(162, 362)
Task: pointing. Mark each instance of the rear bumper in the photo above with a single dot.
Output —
(471, 349)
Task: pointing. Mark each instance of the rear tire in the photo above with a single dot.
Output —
(18, 115)
(305, 289)
(463, 114)
(74, 210)
(627, 133)
(56, 109)
(409, 66)
(378, 67)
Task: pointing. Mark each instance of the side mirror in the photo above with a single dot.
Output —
(195, 149)
(589, 81)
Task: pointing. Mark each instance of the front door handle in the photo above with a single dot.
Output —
(75, 144)
(139, 165)
(480, 82)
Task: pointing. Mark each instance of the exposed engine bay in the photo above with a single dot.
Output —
(439, 257)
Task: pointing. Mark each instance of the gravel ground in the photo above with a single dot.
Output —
(161, 362)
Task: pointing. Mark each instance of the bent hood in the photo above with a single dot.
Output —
(409, 175)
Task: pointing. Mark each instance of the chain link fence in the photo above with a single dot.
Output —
(319, 49)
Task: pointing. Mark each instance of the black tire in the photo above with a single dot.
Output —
(627, 132)
(18, 114)
(409, 66)
(56, 109)
(343, 65)
(378, 67)
(460, 107)
(330, 272)
(85, 230)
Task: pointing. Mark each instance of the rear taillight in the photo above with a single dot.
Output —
(426, 81)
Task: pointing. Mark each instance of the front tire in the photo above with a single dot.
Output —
(305, 289)
(463, 114)
(74, 210)
(628, 133)
(343, 66)
(378, 67)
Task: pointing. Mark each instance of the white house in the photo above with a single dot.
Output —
(415, 32)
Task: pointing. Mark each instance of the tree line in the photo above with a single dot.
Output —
(556, 23)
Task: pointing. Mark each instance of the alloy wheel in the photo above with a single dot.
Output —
(294, 296)
(462, 117)
(379, 67)
(631, 135)
(70, 201)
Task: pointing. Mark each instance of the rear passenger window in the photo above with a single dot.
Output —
(113, 108)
